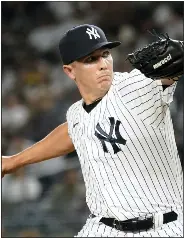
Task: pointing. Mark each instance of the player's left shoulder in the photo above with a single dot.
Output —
(134, 75)
(119, 77)
(131, 81)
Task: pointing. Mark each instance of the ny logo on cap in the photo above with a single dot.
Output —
(92, 32)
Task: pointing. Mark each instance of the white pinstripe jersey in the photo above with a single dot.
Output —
(145, 175)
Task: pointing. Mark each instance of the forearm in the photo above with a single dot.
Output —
(169, 82)
(57, 143)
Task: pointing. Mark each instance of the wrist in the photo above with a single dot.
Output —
(176, 78)
(15, 162)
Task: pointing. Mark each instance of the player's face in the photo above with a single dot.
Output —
(93, 74)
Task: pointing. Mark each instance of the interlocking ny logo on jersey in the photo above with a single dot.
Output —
(104, 137)
(92, 32)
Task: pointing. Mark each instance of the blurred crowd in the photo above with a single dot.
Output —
(49, 198)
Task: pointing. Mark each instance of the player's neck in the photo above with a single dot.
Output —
(91, 98)
(90, 95)
(88, 108)
(90, 101)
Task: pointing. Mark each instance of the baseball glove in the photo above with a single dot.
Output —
(161, 59)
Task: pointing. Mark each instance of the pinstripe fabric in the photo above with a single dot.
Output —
(145, 176)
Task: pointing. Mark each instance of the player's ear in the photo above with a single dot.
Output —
(69, 71)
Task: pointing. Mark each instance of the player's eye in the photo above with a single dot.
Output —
(93, 58)
(106, 53)
(90, 59)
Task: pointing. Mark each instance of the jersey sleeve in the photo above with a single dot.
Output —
(168, 93)
(145, 97)
(72, 117)
(69, 122)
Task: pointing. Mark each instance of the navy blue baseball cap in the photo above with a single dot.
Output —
(82, 40)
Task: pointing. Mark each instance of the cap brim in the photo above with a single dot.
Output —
(109, 45)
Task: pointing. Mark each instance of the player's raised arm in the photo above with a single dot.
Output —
(163, 59)
(55, 144)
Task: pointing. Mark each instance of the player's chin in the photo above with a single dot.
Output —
(105, 81)
(105, 85)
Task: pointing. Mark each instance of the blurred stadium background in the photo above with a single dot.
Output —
(48, 199)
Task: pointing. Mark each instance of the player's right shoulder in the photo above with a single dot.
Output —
(73, 109)
(72, 115)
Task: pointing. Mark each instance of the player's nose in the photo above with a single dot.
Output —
(102, 63)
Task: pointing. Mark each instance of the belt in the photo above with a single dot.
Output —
(136, 224)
